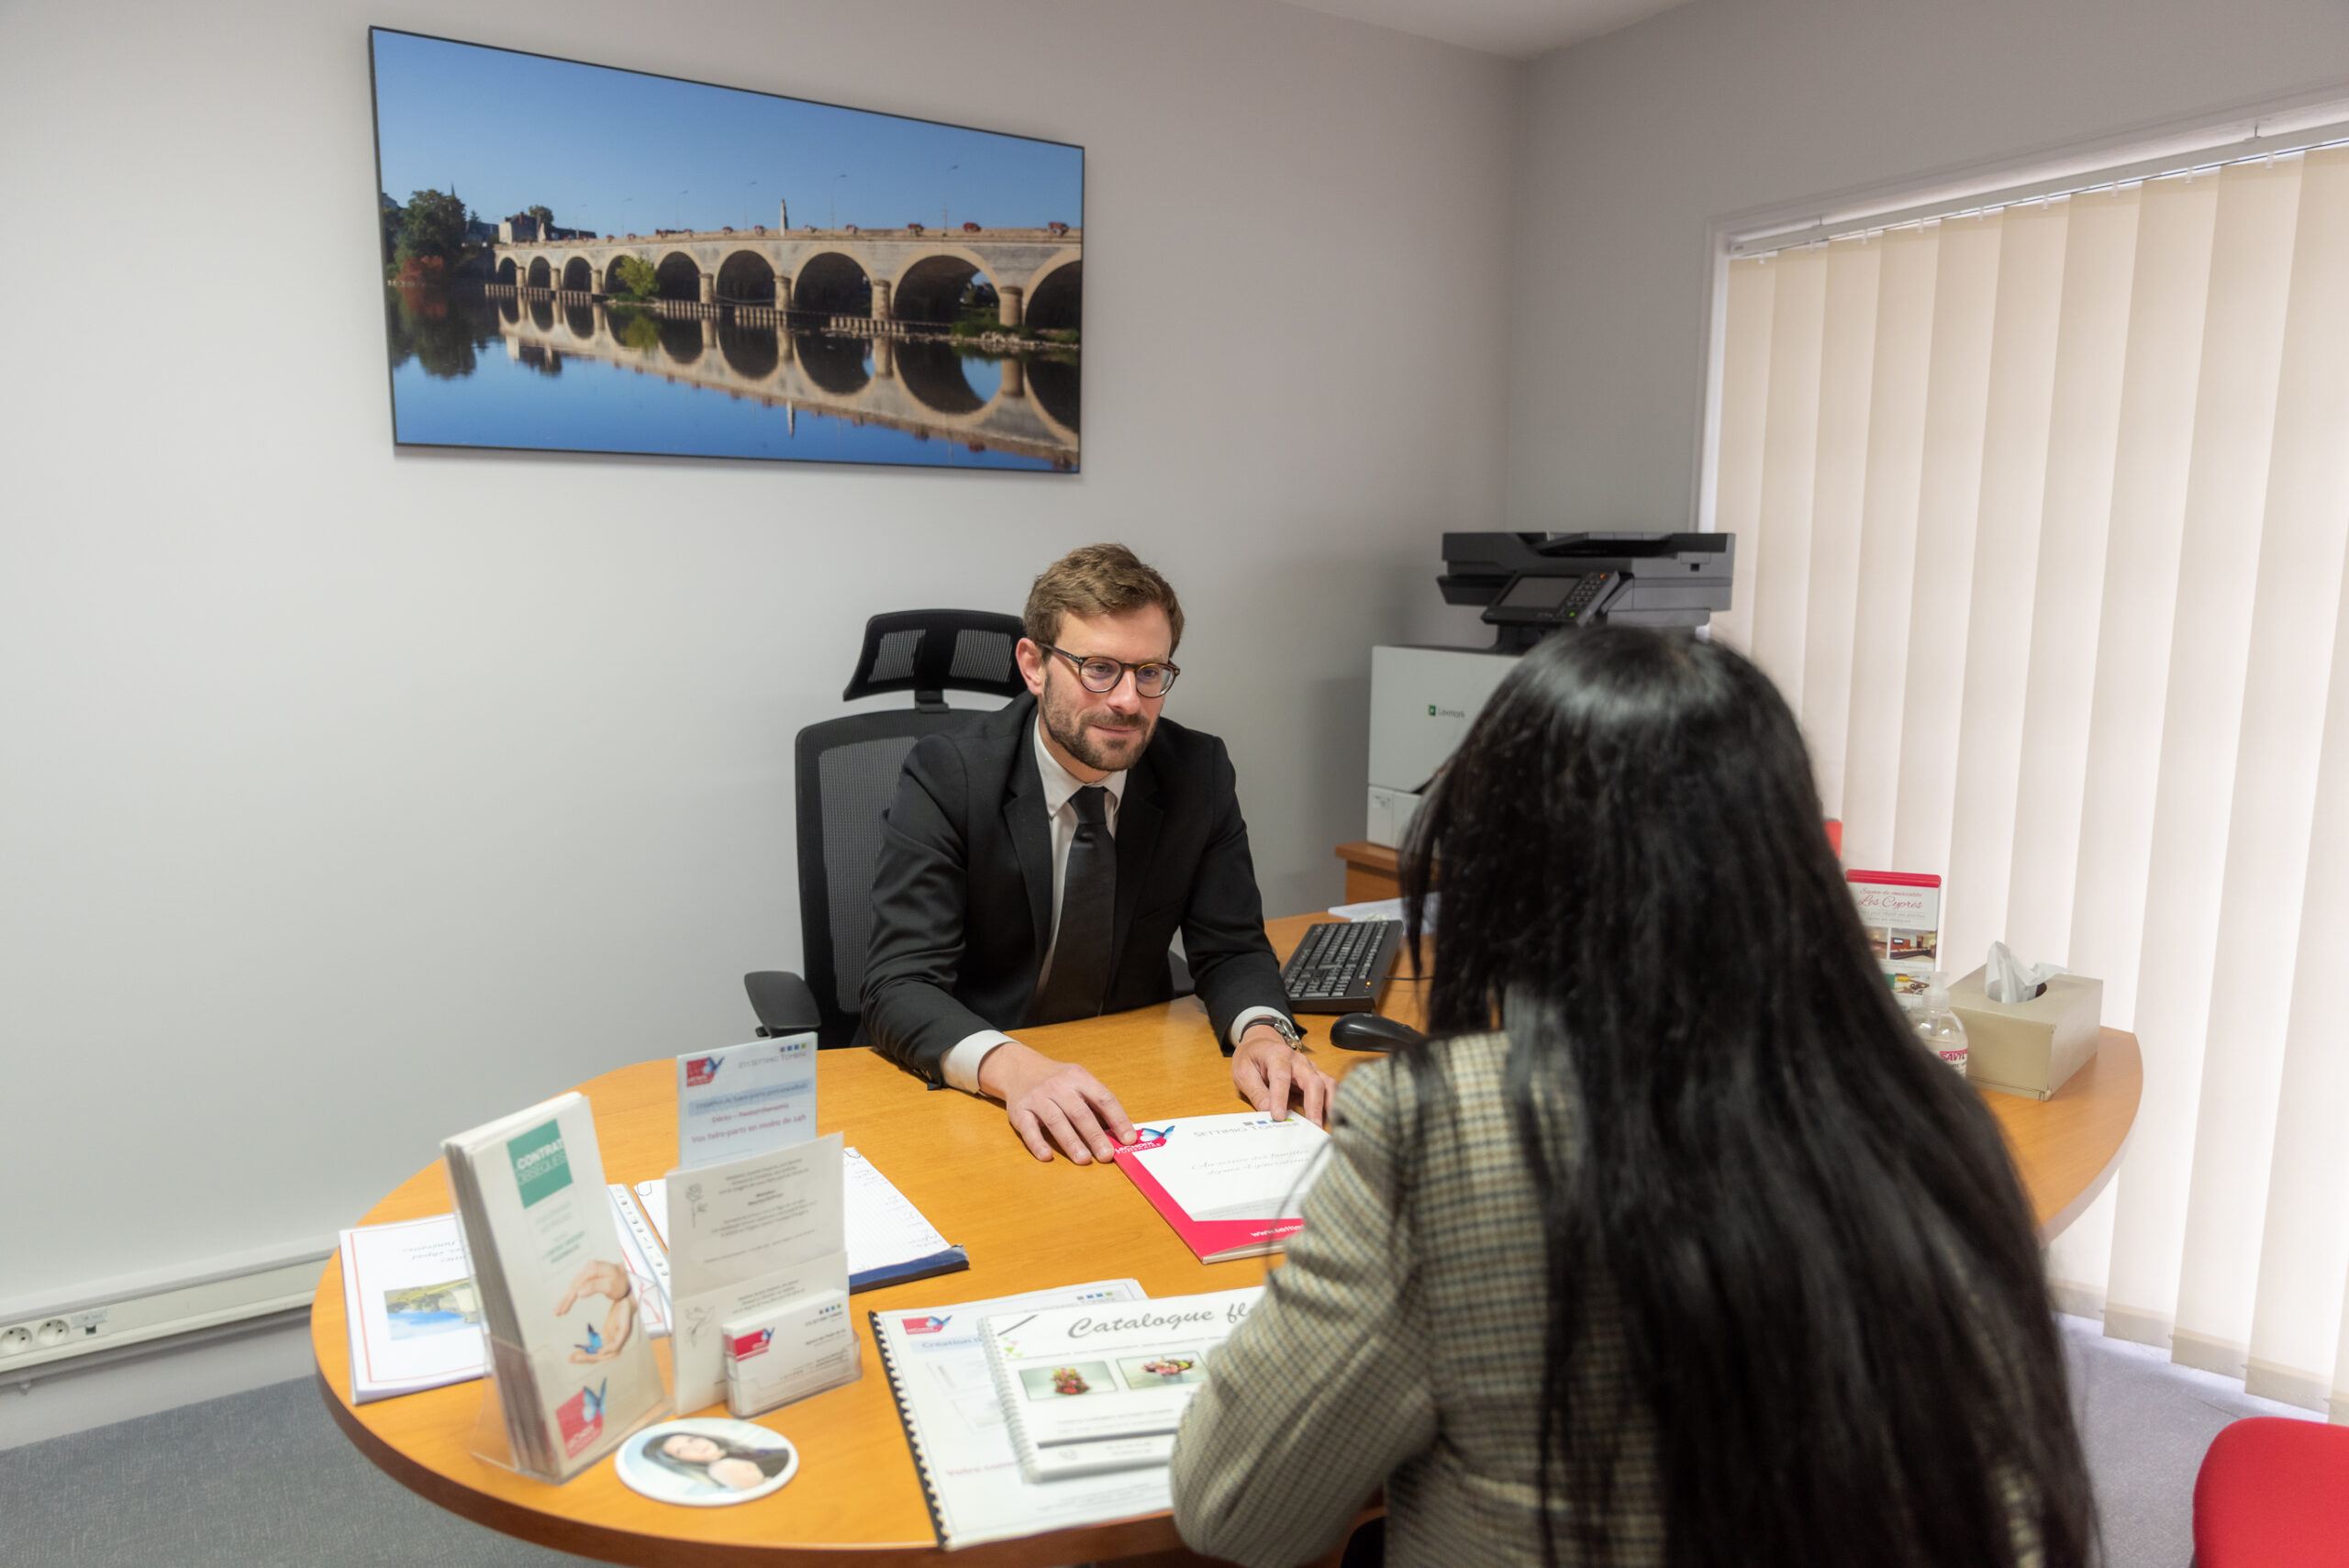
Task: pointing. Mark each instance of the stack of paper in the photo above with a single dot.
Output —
(574, 1374)
(889, 1240)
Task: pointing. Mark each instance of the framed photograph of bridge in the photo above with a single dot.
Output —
(578, 258)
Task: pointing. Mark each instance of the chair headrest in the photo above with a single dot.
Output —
(928, 653)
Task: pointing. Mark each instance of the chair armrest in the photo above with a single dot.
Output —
(783, 1002)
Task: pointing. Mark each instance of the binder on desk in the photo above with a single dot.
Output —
(962, 1443)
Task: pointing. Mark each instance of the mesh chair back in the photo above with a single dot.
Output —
(847, 775)
(847, 771)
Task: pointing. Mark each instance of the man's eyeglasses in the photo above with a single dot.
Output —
(1100, 675)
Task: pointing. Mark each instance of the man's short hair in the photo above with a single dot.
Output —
(1098, 580)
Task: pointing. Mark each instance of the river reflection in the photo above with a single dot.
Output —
(469, 370)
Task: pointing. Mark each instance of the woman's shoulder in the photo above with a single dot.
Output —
(1391, 1074)
(1454, 1069)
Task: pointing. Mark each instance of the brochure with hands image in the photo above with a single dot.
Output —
(571, 1373)
(1103, 1385)
(745, 1234)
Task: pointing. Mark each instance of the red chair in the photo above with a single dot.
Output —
(2273, 1493)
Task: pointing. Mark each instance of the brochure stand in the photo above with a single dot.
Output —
(570, 1371)
(587, 1427)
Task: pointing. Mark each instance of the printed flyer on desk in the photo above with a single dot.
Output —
(745, 1099)
(748, 1234)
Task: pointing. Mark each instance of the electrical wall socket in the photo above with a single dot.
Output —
(31, 1344)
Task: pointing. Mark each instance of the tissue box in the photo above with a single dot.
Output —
(2027, 1047)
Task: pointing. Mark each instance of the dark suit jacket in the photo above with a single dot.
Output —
(962, 889)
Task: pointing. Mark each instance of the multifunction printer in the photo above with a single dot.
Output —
(1531, 586)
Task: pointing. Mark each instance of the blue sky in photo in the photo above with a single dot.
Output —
(616, 151)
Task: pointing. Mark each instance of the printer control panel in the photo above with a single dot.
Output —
(1533, 599)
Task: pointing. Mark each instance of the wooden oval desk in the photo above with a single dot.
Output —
(1026, 1226)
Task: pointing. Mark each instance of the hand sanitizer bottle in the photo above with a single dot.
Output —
(1944, 1035)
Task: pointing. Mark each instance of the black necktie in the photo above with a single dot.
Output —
(1088, 908)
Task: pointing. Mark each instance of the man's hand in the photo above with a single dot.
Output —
(1266, 1069)
(1054, 1102)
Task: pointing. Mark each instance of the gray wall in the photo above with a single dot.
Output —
(352, 797)
(1634, 143)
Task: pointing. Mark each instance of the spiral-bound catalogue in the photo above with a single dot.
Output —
(963, 1447)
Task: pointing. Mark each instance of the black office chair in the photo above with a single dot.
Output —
(846, 773)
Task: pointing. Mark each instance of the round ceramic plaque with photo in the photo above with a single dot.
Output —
(706, 1462)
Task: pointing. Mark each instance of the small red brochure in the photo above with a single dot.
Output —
(1902, 913)
(1232, 1186)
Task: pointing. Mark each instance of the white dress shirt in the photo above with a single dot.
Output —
(961, 1067)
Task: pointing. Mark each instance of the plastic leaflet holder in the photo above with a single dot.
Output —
(570, 1368)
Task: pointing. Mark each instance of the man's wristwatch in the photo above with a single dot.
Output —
(1286, 1028)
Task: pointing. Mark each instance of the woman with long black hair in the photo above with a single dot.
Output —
(1673, 1246)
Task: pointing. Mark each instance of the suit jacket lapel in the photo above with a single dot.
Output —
(1032, 835)
(1138, 816)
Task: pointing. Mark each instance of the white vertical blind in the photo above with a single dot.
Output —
(1745, 384)
(1957, 379)
(2226, 487)
(2020, 391)
(2294, 610)
(1790, 458)
(1846, 362)
(2298, 1318)
(2043, 513)
(1895, 464)
(2068, 594)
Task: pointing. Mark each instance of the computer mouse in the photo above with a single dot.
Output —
(1369, 1032)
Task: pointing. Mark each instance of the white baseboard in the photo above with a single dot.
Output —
(2206, 1353)
(111, 1317)
(2137, 1324)
(2289, 1386)
(231, 1360)
(2075, 1299)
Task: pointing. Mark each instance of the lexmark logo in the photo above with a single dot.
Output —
(1435, 712)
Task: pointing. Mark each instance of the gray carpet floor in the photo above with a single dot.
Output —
(266, 1480)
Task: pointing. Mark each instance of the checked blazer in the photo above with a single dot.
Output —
(1405, 1350)
(1403, 1346)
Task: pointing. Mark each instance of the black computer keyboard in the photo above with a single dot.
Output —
(1341, 964)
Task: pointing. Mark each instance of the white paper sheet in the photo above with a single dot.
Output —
(883, 1228)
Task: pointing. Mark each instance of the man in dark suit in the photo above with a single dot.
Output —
(1036, 864)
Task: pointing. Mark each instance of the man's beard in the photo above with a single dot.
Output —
(1065, 725)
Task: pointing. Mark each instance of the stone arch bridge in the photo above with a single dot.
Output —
(917, 386)
(889, 276)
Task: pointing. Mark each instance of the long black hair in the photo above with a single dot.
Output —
(1828, 1281)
